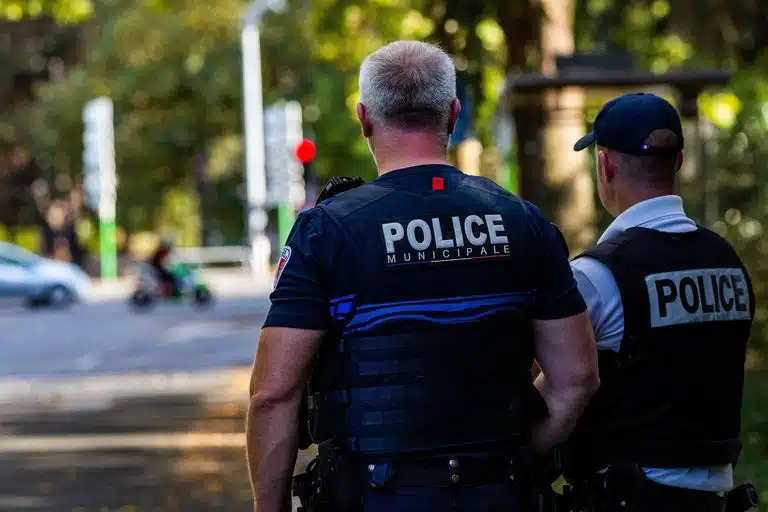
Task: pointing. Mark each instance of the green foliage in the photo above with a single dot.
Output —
(178, 217)
(741, 153)
(64, 11)
(753, 464)
(27, 237)
(173, 72)
(175, 82)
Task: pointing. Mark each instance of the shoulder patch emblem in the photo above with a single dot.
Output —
(285, 255)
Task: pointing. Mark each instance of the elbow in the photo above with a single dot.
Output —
(581, 387)
(268, 399)
(589, 383)
(263, 399)
(594, 383)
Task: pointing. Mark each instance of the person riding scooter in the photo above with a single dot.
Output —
(158, 261)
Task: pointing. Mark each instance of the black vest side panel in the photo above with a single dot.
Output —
(672, 396)
(429, 358)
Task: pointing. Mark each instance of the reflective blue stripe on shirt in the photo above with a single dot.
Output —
(445, 311)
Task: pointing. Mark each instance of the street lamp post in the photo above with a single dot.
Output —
(253, 111)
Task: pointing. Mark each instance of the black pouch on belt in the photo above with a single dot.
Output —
(308, 487)
(742, 498)
(623, 485)
(341, 475)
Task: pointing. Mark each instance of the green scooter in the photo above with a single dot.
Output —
(150, 289)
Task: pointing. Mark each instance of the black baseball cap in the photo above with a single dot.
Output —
(625, 123)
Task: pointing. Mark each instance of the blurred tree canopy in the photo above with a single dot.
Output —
(64, 11)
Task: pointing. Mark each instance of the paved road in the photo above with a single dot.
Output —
(106, 336)
(103, 409)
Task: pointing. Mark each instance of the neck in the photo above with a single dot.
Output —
(407, 150)
(637, 195)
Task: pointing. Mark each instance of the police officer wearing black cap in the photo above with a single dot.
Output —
(672, 306)
(417, 302)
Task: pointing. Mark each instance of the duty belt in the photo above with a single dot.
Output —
(606, 492)
(441, 471)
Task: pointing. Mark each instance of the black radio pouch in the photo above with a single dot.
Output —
(742, 498)
(342, 476)
(310, 490)
(623, 485)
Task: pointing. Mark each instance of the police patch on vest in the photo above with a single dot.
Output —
(285, 255)
(444, 238)
(701, 295)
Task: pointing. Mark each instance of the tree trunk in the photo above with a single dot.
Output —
(552, 175)
(203, 187)
(567, 176)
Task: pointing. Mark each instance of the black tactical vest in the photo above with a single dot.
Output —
(671, 397)
(405, 386)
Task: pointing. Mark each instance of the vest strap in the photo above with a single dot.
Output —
(356, 199)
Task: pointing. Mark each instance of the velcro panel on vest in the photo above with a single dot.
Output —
(411, 391)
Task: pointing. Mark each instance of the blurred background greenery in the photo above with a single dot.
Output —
(173, 71)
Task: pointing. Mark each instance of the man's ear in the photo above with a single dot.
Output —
(455, 111)
(680, 160)
(365, 120)
(607, 166)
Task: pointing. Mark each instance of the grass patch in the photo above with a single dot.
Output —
(753, 465)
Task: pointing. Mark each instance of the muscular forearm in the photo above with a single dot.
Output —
(272, 447)
(565, 406)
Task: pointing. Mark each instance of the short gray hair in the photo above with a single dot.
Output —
(408, 85)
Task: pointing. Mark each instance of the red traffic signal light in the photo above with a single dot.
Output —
(306, 151)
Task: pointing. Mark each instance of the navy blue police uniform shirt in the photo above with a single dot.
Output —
(320, 265)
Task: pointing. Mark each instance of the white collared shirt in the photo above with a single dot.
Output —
(601, 293)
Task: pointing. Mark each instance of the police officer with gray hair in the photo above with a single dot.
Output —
(415, 304)
(672, 307)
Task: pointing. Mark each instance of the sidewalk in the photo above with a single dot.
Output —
(174, 443)
(22, 396)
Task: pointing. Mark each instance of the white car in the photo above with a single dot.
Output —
(40, 281)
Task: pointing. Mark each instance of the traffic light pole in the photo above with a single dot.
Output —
(255, 176)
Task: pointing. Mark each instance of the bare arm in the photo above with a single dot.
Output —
(280, 371)
(566, 351)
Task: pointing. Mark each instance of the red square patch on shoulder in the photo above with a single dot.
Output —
(438, 183)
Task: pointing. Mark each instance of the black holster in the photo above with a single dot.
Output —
(618, 489)
(331, 483)
(742, 498)
(305, 436)
(621, 488)
(538, 473)
(311, 491)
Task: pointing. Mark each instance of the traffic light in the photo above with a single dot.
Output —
(305, 153)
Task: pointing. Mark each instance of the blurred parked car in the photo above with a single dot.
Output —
(40, 281)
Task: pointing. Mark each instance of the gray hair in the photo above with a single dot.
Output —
(408, 85)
